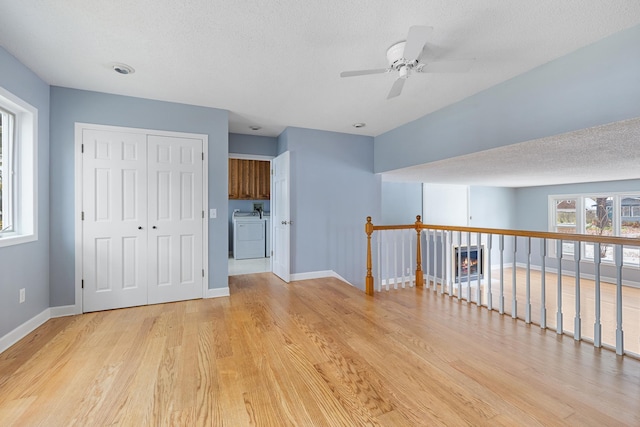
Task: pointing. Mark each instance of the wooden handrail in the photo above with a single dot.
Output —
(611, 240)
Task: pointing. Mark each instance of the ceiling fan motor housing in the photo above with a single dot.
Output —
(395, 56)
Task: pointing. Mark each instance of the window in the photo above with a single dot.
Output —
(18, 122)
(598, 215)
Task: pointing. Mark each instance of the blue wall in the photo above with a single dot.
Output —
(252, 144)
(69, 106)
(333, 190)
(400, 202)
(594, 85)
(27, 265)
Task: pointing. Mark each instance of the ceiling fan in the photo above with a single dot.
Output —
(405, 58)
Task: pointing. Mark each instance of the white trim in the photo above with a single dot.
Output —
(250, 156)
(23, 330)
(63, 311)
(79, 127)
(317, 275)
(25, 127)
(217, 292)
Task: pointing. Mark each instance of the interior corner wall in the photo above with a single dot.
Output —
(333, 190)
(69, 106)
(27, 265)
(594, 85)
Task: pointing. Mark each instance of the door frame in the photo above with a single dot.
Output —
(265, 158)
(78, 129)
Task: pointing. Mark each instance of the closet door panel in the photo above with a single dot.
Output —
(175, 218)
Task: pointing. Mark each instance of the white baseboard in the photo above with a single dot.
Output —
(30, 325)
(317, 275)
(65, 310)
(217, 292)
(23, 330)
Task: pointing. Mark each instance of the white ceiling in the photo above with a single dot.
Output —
(277, 63)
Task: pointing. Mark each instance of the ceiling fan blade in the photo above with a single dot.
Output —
(416, 40)
(448, 66)
(396, 89)
(363, 72)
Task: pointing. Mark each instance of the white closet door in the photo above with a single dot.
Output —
(175, 218)
(114, 234)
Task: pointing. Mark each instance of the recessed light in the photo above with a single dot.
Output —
(123, 69)
(254, 127)
(359, 125)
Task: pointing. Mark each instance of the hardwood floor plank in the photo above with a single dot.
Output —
(312, 353)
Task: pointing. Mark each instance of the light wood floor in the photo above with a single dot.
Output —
(630, 305)
(311, 353)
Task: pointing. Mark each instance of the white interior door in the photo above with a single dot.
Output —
(175, 218)
(114, 206)
(281, 217)
(143, 230)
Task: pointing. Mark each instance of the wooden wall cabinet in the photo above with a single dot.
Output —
(249, 179)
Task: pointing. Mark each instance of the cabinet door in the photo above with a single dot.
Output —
(234, 179)
(263, 180)
(246, 168)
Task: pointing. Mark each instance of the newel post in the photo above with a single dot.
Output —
(368, 228)
(419, 275)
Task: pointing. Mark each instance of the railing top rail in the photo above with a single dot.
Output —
(611, 240)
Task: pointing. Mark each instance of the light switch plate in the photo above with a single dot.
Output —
(213, 213)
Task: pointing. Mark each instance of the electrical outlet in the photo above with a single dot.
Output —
(22, 295)
(213, 213)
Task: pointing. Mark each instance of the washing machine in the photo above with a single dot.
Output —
(248, 236)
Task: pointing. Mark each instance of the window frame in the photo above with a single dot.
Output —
(615, 211)
(23, 189)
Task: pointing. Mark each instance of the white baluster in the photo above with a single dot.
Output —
(543, 285)
(395, 260)
(577, 323)
(489, 293)
(597, 326)
(514, 288)
(388, 269)
(559, 313)
(480, 269)
(468, 266)
(411, 269)
(501, 298)
(379, 276)
(446, 244)
(427, 254)
(460, 264)
(527, 308)
(619, 333)
(403, 266)
(435, 261)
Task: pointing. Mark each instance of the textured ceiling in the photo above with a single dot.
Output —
(602, 153)
(276, 63)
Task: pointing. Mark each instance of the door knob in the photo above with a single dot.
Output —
(140, 228)
(154, 227)
(284, 222)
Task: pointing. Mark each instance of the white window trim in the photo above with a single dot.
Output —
(26, 189)
(580, 215)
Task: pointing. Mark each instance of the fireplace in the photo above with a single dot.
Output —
(471, 261)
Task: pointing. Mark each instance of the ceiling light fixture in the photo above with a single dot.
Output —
(123, 69)
(254, 127)
(359, 125)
